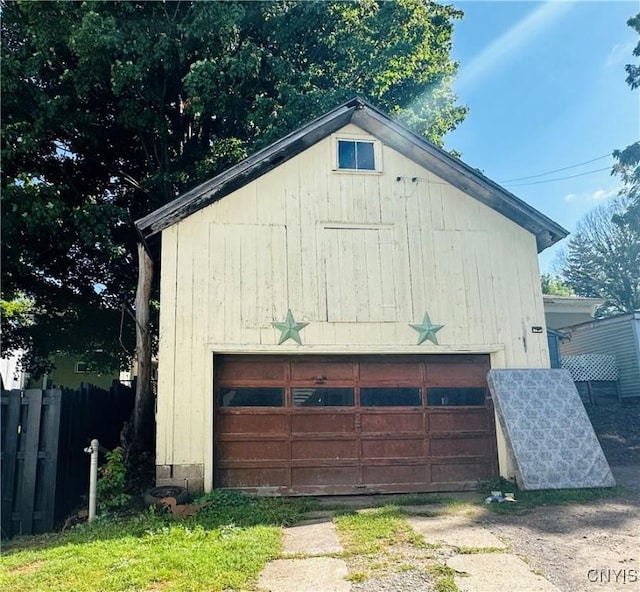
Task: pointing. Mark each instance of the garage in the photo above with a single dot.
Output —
(312, 425)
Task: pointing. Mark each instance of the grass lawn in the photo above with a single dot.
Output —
(224, 546)
(228, 543)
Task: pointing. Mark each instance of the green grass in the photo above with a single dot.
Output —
(527, 500)
(479, 550)
(374, 531)
(419, 499)
(443, 576)
(224, 546)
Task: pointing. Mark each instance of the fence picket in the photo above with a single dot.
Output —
(44, 468)
(50, 435)
(32, 433)
(11, 402)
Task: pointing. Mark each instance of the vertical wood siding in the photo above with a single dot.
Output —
(358, 255)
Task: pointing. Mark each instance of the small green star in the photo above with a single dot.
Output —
(427, 330)
(290, 329)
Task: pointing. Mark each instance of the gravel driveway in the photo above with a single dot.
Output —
(585, 547)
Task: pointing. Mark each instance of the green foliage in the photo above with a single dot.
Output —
(146, 552)
(112, 482)
(603, 258)
(111, 109)
(554, 285)
(628, 165)
(444, 577)
(486, 486)
(230, 507)
(373, 531)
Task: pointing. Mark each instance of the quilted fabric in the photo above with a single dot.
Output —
(586, 367)
(547, 429)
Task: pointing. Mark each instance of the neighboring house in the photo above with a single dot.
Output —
(13, 377)
(330, 307)
(617, 336)
(69, 371)
(561, 311)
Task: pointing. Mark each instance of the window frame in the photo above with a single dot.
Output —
(349, 137)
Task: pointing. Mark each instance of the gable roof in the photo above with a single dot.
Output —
(375, 122)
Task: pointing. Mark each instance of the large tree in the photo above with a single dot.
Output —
(628, 160)
(111, 109)
(602, 259)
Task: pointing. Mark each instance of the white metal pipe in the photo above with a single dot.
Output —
(93, 477)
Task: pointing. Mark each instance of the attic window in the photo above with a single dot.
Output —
(81, 368)
(356, 155)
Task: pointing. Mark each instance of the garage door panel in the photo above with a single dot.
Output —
(324, 449)
(456, 374)
(377, 373)
(252, 477)
(322, 372)
(254, 450)
(458, 420)
(239, 372)
(392, 422)
(245, 423)
(393, 448)
(321, 476)
(395, 474)
(323, 423)
(458, 446)
(461, 472)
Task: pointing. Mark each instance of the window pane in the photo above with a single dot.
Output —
(322, 397)
(452, 397)
(346, 154)
(364, 156)
(251, 397)
(390, 397)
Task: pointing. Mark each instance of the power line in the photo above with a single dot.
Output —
(573, 166)
(562, 178)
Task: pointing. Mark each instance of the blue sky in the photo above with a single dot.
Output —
(545, 85)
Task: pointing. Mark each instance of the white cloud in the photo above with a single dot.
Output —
(506, 47)
(620, 54)
(570, 196)
(602, 194)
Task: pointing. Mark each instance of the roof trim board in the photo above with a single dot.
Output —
(366, 116)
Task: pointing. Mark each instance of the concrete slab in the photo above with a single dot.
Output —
(311, 539)
(455, 531)
(317, 574)
(496, 571)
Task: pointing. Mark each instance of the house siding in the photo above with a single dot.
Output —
(617, 337)
(302, 237)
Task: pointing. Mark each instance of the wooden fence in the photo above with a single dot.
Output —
(45, 471)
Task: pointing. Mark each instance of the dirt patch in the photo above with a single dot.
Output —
(592, 546)
(29, 567)
(578, 547)
(618, 429)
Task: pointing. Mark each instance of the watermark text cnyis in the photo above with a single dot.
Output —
(610, 575)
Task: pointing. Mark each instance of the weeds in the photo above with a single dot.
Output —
(223, 547)
(444, 578)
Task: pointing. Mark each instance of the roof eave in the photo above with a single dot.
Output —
(370, 119)
(467, 179)
(247, 170)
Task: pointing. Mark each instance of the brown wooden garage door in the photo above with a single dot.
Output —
(338, 425)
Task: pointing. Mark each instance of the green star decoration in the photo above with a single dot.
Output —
(290, 329)
(427, 330)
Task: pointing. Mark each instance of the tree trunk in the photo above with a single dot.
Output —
(143, 413)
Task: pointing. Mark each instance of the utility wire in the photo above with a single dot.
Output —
(560, 178)
(573, 166)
